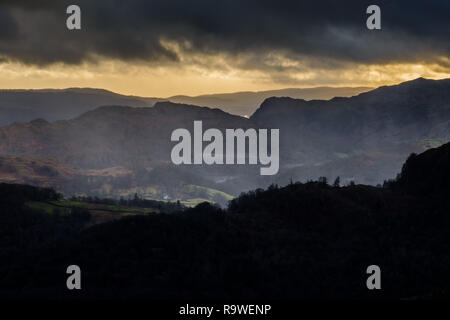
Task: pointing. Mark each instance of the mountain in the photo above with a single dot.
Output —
(246, 103)
(403, 113)
(53, 105)
(376, 126)
(112, 135)
(118, 150)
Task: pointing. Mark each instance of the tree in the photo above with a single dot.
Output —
(323, 180)
(337, 182)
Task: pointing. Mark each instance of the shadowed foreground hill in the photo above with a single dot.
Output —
(300, 241)
(436, 177)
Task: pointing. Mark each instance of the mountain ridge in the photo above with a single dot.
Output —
(23, 105)
(363, 138)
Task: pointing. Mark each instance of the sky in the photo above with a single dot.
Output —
(166, 47)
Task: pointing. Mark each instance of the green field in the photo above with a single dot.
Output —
(342, 155)
(193, 202)
(47, 207)
(208, 192)
(99, 212)
(188, 195)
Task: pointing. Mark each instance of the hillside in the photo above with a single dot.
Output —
(302, 241)
(118, 151)
(52, 104)
(246, 103)
(390, 122)
(112, 135)
(397, 114)
(427, 173)
(164, 183)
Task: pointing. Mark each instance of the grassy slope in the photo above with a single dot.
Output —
(100, 212)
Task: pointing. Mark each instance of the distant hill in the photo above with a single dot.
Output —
(246, 103)
(364, 138)
(400, 113)
(116, 151)
(112, 135)
(53, 104)
(382, 124)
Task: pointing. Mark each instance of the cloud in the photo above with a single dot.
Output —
(8, 27)
(253, 34)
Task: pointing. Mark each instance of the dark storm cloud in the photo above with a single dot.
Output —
(34, 31)
(8, 26)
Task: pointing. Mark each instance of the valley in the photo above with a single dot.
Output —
(310, 231)
(118, 151)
